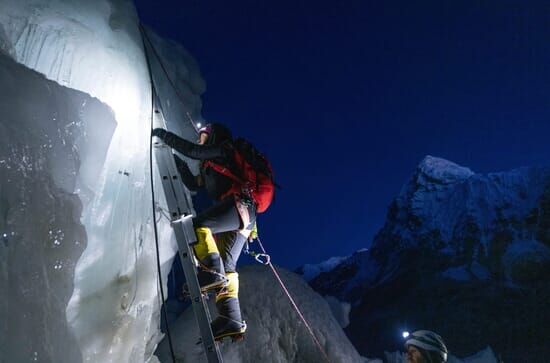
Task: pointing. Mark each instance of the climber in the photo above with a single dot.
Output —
(424, 346)
(223, 228)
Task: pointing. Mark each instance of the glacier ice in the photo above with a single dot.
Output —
(77, 250)
(75, 180)
(275, 333)
(346, 280)
(46, 135)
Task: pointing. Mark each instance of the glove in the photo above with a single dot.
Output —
(160, 133)
(254, 233)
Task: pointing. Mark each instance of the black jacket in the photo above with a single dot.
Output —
(215, 183)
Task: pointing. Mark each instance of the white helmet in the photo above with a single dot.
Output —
(428, 341)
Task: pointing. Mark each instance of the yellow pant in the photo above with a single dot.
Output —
(206, 245)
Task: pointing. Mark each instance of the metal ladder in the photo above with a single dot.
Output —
(180, 208)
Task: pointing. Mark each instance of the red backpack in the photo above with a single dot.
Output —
(253, 175)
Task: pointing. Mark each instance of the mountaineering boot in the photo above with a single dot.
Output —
(229, 322)
(211, 274)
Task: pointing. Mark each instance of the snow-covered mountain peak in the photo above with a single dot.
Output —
(437, 170)
(430, 184)
(310, 271)
(453, 235)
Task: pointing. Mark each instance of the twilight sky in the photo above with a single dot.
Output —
(347, 97)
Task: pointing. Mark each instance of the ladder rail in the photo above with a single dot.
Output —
(180, 206)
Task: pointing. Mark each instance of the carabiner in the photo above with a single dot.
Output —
(258, 257)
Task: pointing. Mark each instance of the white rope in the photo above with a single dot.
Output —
(308, 327)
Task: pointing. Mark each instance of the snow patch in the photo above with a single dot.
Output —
(340, 310)
(275, 333)
(443, 171)
(485, 356)
(311, 271)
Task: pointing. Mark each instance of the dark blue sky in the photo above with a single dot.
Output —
(346, 98)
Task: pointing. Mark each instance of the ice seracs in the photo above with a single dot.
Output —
(43, 140)
(75, 141)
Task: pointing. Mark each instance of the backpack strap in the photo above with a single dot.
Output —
(238, 183)
(223, 170)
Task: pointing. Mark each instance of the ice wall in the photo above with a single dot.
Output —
(96, 193)
(44, 137)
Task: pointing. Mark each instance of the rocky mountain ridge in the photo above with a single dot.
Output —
(462, 253)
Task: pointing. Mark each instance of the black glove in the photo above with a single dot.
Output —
(160, 133)
(187, 176)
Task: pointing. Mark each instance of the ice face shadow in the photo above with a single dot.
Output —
(53, 143)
